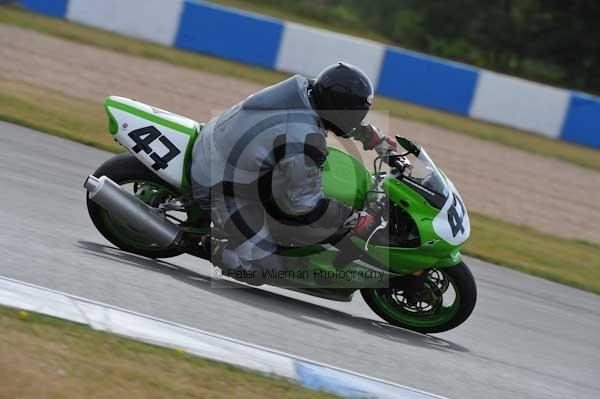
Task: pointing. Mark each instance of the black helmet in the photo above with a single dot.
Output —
(342, 95)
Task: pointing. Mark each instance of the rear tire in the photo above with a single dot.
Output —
(462, 281)
(121, 169)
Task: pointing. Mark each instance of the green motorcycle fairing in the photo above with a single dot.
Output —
(347, 180)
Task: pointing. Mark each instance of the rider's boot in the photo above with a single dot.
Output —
(232, 265)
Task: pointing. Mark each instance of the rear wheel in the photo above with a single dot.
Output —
(132, 175)
(443, 300)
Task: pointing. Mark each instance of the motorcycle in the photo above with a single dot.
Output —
(409, 271)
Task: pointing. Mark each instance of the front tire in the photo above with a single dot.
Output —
(422, 316)
(124, 169)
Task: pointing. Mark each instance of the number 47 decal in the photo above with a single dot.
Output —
(144, 137)
(456, 216)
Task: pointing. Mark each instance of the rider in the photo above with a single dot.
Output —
(258, 166)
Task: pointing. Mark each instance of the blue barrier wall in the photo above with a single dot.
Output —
(271, 43)
(237, 36)
(426, 81)
(54, 8)
(582, 123)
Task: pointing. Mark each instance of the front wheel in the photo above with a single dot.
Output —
(444, 299)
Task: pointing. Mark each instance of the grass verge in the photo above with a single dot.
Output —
(570, 262)
(572, 153)
(54, 113)
(50, 357)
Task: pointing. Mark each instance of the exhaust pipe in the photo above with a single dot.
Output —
(128, 208)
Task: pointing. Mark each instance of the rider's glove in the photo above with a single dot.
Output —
(386, 145)
(372, 138)
(364, 222)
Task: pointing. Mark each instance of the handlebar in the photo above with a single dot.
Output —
(396, 160)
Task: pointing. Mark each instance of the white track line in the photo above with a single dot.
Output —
(99, 316)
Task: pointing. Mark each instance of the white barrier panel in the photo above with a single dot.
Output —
(153, 20)
(520, 103)
(307, 51)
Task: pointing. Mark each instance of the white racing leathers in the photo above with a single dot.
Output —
(258, 167)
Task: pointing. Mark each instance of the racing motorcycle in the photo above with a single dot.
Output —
(409, 271)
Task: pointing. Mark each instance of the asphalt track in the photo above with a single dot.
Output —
(528, 338)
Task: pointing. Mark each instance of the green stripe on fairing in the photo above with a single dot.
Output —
(113, 127)
(190, 131)
(187, 160)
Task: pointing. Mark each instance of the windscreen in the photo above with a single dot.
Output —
(424, 172)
